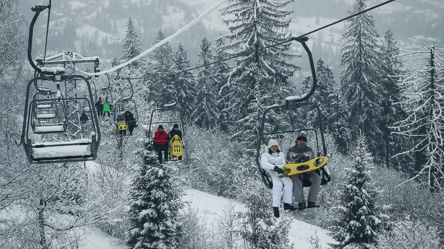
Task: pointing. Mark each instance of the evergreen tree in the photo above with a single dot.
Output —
(324, 96)
(206, 112)
(359, 221)
(155, 205)
(158, 77)
(131, 45)
(391, 113)
(221, 72)
(342, 132)
(259, 77)
(259, 228)
(422, 90)
(360, 80)
(184, 83)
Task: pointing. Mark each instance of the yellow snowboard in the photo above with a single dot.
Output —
(176, 147)
(121, 125)
(292, 169)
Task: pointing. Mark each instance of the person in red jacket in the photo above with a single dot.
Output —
(161, 143)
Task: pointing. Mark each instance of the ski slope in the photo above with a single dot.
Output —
(211, 207)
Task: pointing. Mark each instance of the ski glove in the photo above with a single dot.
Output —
(279, 170)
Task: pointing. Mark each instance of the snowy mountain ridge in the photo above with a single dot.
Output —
(100, 26)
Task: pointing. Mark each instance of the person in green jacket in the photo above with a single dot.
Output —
(106, 107)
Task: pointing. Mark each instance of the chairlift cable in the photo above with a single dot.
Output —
(293, 38)
(241, 54)
(47, 29)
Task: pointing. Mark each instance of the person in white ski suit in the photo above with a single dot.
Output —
(302, 153)
(273, 162)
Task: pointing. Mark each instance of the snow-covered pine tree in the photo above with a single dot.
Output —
(324, 96)
(206, 112)
(391, 113)
(359, 219)
(155, 205)
(131, 45)
(259, 228)
(223, 95)
(360, 80)
(158, 77)
(184, 83)
(259, 77)
(422, 91)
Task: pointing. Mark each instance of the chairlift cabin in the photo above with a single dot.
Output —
(167, 122)
(264, 136)
(52, 142)
(51, 131)
(126, 104)
(292, 103)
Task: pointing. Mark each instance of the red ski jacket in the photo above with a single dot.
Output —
(160, 138)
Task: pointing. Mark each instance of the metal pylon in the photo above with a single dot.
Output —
(72, 107)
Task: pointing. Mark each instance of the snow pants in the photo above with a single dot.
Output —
(131, 128)
(161, 148)
(298, 189)
(278, 184)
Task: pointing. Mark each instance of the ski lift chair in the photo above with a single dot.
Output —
(47, 122)
(67, 150)
(150, 134)
(321, 170)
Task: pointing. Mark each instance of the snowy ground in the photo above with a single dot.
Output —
(211, 207)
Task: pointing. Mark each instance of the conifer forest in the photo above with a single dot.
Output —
(112, 112)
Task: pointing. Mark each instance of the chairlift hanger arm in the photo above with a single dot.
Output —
(302, 40)
(37, 9)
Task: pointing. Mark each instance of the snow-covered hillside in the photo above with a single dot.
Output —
(210, 209)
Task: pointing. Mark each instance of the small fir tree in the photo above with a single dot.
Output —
(155, 206)
(359, 221)
(259, 228)
(159, 76)
(184, 83)
(206, 113)
(131, 44)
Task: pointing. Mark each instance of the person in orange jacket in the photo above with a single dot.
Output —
(161, 143)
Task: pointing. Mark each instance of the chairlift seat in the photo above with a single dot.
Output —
(43, 129)
(44, 106)
(76, 150)
(45, 116)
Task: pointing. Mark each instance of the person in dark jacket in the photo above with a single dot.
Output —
(121, 123)
(298, 154)
(83, 118)
(99, 107)
(161, 143)
(130, 121)
(175, 131)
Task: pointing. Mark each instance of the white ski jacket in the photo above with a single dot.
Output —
(268, 161)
